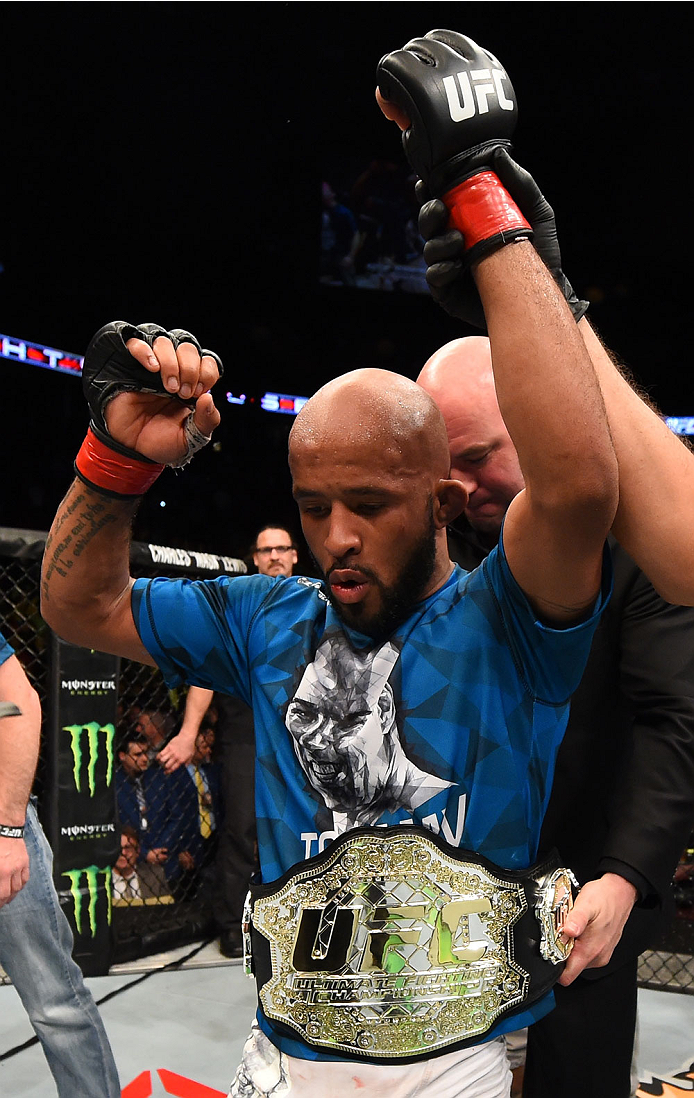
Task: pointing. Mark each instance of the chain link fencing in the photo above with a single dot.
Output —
(163, 883)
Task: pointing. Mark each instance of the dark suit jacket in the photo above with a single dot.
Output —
(160, 810)
(623, 794)
(185, 800)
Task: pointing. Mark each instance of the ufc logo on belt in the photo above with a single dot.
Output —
(326, 941)
(471, 94)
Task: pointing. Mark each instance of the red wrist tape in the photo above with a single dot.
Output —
(104, 468)
(482, 208)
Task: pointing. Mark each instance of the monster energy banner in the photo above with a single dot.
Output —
(81, 816)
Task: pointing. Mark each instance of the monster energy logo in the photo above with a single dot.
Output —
(93, 730)
(91, 873)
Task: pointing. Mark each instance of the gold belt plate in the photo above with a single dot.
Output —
(391, 948)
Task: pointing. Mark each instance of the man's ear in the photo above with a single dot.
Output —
(450, 500)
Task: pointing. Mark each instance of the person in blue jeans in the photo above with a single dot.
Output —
(35, 936)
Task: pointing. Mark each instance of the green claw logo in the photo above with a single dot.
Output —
(93, 730)
(92, 888)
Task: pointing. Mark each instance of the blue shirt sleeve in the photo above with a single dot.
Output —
(196, 630)
(551, 660)
(6, 650)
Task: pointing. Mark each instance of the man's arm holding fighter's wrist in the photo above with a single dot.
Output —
(654, 466)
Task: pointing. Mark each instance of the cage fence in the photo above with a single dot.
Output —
(163, 882)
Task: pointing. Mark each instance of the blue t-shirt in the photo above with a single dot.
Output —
(453, 723)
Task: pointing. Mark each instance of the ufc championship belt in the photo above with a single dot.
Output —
(393, 945)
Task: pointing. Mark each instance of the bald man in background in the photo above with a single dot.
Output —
(622, 802)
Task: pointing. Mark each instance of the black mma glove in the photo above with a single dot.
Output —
(461, 107)
(104, 463)
(451, 285)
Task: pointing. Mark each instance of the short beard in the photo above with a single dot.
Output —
(398, 601)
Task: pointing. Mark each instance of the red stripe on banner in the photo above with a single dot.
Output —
(139, 1088)
(181, 1087)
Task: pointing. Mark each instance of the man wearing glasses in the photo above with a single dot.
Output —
(274, 553)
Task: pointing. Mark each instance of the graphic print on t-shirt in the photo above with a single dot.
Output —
(342, 719)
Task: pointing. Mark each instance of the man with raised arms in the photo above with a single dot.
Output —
(389, 957)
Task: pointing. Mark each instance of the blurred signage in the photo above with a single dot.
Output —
(681, 425)
(50, 358)
(281, 402)
(272, 402)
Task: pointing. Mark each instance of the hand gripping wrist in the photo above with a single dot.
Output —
(484, 212)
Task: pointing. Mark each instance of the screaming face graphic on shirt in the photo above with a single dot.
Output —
(342, 720)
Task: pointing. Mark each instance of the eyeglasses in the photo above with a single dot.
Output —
(267, 549)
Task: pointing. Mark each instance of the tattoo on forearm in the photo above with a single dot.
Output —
(63, 547)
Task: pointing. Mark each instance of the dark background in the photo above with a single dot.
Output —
(163, 162)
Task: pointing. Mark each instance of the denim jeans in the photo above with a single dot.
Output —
(35, 951)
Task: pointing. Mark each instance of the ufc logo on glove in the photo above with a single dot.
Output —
(471, 95)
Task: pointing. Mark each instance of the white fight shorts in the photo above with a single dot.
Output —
(478, 1072)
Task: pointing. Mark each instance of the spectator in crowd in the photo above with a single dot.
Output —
(274, 551)
(144, 800)
(339, 239)
(384, 200)
(684, 882)
(35, 936)
(274, 554)
(133, 882)
(196, 795)
(151, 725)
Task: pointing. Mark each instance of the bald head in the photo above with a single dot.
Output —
(369, 462)
(461, 372)
(379, 409)
(459, 378)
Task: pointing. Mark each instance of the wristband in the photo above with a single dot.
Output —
(11, 832)
(111, 473)
(484, 212)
